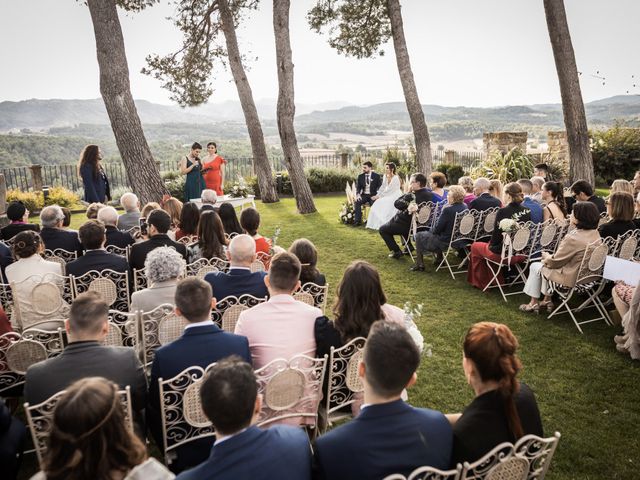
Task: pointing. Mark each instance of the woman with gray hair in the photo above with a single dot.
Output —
(164, 266)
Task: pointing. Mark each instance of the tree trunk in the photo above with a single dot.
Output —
(266, 182)
(286, 109)
(575, 120)
(142, 171)
(420, 130)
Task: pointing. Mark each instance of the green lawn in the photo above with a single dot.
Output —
(585, 389)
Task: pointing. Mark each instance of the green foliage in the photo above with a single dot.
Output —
(507, 167)
(558, 169)
(321, 180)
(62, 197)
(616, 152)
(405, 164)
(34, 201)
(453, 172)
(175, 184)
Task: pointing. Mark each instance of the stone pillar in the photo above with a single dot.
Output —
(503, 142)
(344, 160)
(36, 177)
(3, 201)
(558, 146)
(449, 157)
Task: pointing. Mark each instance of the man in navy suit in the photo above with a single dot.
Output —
(201, 344)
(109, 216)
(389, 436)
(534, 207)
(239, 280)
(229, 396)
(484, 200)
(92, 236)
(52, 233)
(367, 186)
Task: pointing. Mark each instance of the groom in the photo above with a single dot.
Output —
(367, 187)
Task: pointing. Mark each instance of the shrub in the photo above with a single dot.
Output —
(321, 180)
(616, 152)
(506, 167)
(175, 186)
(32, 200)
(63, 197)
(453, 172)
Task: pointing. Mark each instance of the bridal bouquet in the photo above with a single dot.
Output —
(240, 189)
(346, 215)
(509, 225)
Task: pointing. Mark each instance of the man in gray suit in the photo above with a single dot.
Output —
(85, 356)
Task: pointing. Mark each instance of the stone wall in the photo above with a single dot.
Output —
(503, 142)
(558, 146)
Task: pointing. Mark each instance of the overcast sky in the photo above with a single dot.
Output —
(463, 52)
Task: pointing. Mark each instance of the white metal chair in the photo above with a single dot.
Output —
(120, 251)
(628, 246)
(344, 386)
(113, 287)
(202, 266)
(140, 281)
(528, 459)
(421, 220)
(313, 294)
(156, 328)
(188, 239)
(291, 389)
(181, 414)
(40, 419)
(229, 309)
(127, 325)
(464, 232)
(487, 224)
(261, 263)
(428, 473)
(60, 253)
(6, 299)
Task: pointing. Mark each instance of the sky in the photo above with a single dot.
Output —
(463, 52)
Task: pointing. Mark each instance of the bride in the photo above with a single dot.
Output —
(382, 209)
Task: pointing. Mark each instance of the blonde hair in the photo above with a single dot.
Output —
(466, 183)
(496, 189)
(173, 207)
(622, 186)
(456, 194)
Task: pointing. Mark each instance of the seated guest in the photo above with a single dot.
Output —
(93, 209)
(12, 440)
(484, 200)
(109, 217)
(437, 182)
(282, 327)
(90, 439)
(163, 267)
(437, 240)
(497, 190)
(173, 207)
(553, 200)
(535, 210)
(189, 217)
(229, 397)
(503, 409)
(201, 344)
(479, 273)
(536, 192)
(562, 267)
(621, 185)
(627, 300)
(229, 219)
(400, 224)
(18, 215)
(85, 356)
(583, 192)
(131, 216)
(620, 209)
(28, 270)
(208, 198)
(239, 280)
(158, 223)
(148, 208)
(66, 223)
(5, 260)
(52, 233)
(542, 170)
(92, 236)
(306, 252)
(467, 184)
(389, 436)
(360, 302)
(211, 242)
(250, 222)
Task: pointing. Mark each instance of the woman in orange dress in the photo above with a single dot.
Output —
(213, 169)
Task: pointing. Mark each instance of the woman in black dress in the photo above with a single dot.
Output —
(503, 409)
(306, 252)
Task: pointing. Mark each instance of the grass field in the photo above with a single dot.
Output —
(585, 389)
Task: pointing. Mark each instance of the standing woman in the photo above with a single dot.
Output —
(191, 166)
(94, 179)
(213, 171)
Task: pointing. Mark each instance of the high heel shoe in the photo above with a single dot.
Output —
(528, 307)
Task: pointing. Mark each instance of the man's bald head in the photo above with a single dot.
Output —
(242, 250)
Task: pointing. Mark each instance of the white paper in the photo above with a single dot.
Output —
(619, 269)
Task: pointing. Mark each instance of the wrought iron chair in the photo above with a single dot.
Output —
(48, 300)
(183, 420)
(61, 256)
(487, 224)
(112, 285)
(6, 299)
(528, 459)
(40, 419)
(156, 328)
(291, 389)
(464, 232)
(628, 246)
(187, 239)
(229, 309)
(202, 266)
(428, 473)
(140, 280)
(313, 294)
(121, 251)
(421, 219)
(261, 263)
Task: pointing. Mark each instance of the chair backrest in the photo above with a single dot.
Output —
(202, 266)
(181, 414)
(592, 264)
(291, 389)
(41, 299)
(60, 253)
(248, 301)
(120, 251)
(628, 245)
(549, 235)
(528, 459)
(139, 279)
(261, 263)
(113, 287)
(127, 324)
(40, 419)
(230, 316)
(465, 226)
(428, 473)
(6, 298)
(187, 239)
(519, 241)
(487, 223)
(313, 294)
(343, 380)
(422, 218)
(156, 327)
(604, 218)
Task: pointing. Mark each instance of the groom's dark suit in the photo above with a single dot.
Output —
(401, 222)
(374, 181)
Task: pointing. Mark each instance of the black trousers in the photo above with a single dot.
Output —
(389, 229)
(357, 207)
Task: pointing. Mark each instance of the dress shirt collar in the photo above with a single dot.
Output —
(203, 323)
(282, 298)
(240, 268)
(383, 409)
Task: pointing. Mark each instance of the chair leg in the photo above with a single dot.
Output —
(496, 273)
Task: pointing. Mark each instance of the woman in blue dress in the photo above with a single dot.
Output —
(438, 181)
(191, 166)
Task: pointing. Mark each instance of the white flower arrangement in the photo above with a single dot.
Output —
(240, 189)
(412, 207)
(346, 214)
(507, 225)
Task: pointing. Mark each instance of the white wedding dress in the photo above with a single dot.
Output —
(382, 209)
